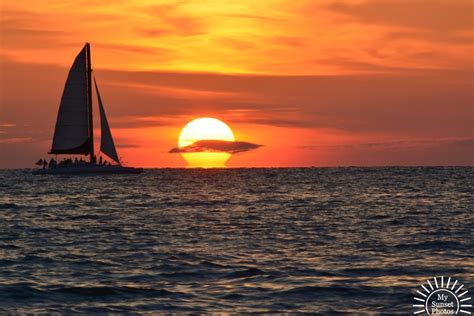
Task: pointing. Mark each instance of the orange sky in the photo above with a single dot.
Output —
(318, 83)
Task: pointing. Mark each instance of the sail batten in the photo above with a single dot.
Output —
(107, 145)
(71, 134)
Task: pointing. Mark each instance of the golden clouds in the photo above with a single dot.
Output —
(274, 37)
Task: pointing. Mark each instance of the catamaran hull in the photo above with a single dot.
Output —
(78, 170)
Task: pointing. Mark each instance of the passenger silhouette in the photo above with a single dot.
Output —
(52, 163)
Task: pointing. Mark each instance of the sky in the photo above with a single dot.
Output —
(316, 83)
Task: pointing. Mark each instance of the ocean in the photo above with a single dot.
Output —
(316, 240)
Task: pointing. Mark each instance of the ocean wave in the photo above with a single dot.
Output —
(102, 291)
(250, 272)
(331, 291)
(328, 241)
(9, 206)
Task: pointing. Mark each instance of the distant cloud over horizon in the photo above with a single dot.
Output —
(231, 147)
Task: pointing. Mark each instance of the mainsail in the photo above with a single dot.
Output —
(107, 145)
(72, 132)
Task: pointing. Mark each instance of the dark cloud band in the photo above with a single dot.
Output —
(215, 146)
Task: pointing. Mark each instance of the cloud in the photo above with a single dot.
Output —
(128, 145)
(215, 146)
(16, 140)
(355, 103)
(436, 15)
(130, 121)
(469, 142)
(404, 144)
(456, 38)
(120, 48)
(172, 21)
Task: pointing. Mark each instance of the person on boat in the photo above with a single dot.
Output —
(45, 163)
(52, 163)
(68, 162)
(76, 161)
(100, 160)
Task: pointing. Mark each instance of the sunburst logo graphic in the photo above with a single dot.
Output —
(440, 298)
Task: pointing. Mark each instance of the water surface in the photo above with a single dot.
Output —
(327, 240)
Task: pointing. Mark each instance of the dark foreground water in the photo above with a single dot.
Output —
(354, 240)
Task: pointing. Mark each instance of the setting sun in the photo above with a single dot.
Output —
(205, 129)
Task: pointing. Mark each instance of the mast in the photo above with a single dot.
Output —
(89, 102)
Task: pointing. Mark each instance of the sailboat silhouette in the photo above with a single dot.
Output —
(74, 131)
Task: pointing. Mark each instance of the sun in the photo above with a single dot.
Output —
(205, 128)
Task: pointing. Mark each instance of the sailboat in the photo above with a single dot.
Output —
(74, 132)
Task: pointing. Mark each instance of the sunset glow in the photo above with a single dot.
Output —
(316, 83)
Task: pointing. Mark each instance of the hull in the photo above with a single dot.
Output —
(88, 169)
